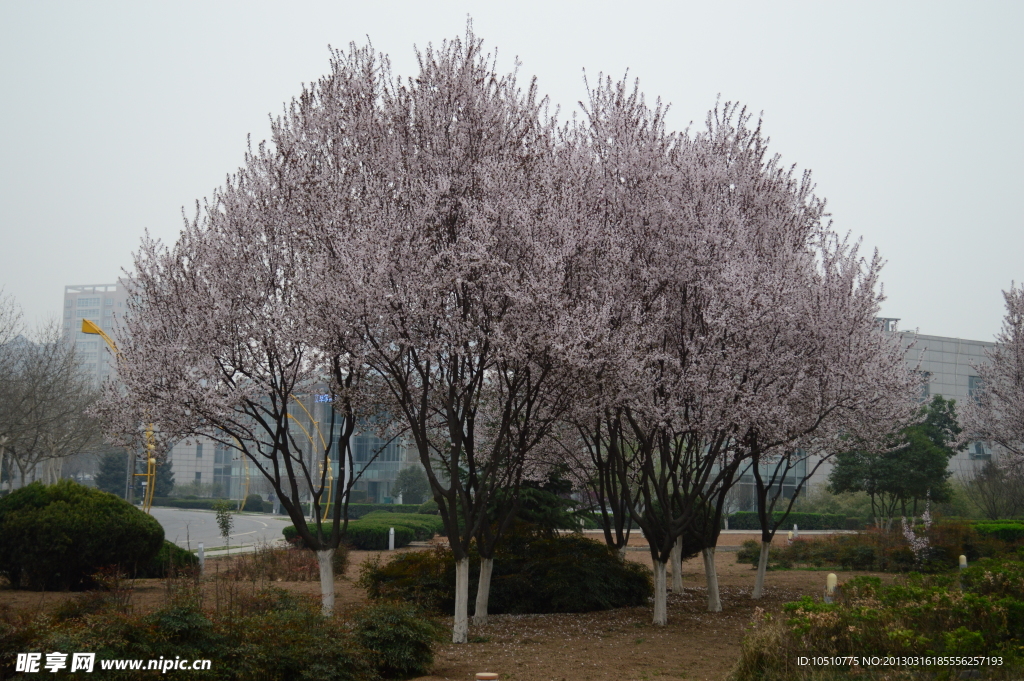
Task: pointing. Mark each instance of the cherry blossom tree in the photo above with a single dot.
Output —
(996, 415)
(744, 295)
(441, 275)
(216, 344)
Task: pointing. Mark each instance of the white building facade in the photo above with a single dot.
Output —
(104, 305)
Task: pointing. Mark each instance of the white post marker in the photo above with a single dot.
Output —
(391, 539)
(791, 536)
(796, 531)
(202, 559)
(486, 676)
(963, 561)
(830, 586)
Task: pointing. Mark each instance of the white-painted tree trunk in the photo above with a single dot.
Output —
(677, 566)
(622, 553)
(460, 631)
(483, 591)
(714, 600)
(325, 559)
(660, 594)
(762, 566)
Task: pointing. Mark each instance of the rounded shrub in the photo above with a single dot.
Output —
(401, 638)
(171, 560)
(253, 503)
(366, 534)
(532, 574)
(57, 536)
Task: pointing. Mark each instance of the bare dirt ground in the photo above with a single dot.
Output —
(619, 645)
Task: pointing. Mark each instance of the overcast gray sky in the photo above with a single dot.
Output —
(909, 114)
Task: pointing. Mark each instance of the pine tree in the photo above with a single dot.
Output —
(164, 479)
(112, 471)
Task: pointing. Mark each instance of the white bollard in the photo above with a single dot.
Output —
(791, 536)
(963, 561)
(391, 539)
(202, 559)
(796, 531)
(830, 586)
(486, 676)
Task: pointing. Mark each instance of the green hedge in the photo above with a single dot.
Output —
(58, 536)
(747, 520)
(371, 533)
(424, 526)
(1007, 531)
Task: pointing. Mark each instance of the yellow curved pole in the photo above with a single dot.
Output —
(150, 474)
(323, 442)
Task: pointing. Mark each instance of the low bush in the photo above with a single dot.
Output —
(532, 574)
(881, 551)
(401, 637)
(171, 560)
(917, 615)
(425, 527)
(278, 636)
(1006, 531)
(748, 520)
(371, 532)
(58, 536)
(371, 536)
(254, 504)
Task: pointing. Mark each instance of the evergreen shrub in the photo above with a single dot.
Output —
(370, 533)
(401, 637)
(748, 520)
(254, 504)
(168, 562)
(365, 535)
(58, 536)
(924, 616)
(532, 574)
(277, 636)
(425, 527)
(882, 551)
(1006, 531)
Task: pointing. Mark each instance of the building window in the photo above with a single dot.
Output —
(978, 451)
(199, 476)
(974, 386)
(221, 454)
(88, 302)
(199, 450)
(926, 387)
(109, 302)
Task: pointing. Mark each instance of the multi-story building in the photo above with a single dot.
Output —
(208, 468)
(948, 365)
(103, 304)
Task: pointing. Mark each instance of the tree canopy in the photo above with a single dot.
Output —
(914, 468)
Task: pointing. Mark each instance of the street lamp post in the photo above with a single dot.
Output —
(149, 477)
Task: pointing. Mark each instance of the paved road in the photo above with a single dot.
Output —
(186, 527)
